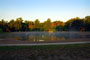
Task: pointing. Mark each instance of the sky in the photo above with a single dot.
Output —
(61, 10)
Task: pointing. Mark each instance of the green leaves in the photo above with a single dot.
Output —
(73, 24)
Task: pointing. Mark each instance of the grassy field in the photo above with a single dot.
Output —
(46, 52)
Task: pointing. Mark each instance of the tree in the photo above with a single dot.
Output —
(3, 25)
(87, 23)
(18, 24)
(74, 24)
(41, 26)
(68, 24)
(77, 25)
(11, 27)
(58, 25)
(36, 25)
(1, 30)
(59, 28)
(31, 25)
(25, 26)
(47, 25)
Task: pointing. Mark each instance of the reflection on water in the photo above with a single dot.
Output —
(45, 36)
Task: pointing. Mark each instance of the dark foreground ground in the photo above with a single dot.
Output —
(46, 52)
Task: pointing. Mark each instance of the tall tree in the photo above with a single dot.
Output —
(77, 25)
(87, 23)
(11, 25)
(3, 25)
(36, 25)
(18, 24)
(47, 25)
(74, 24)
(31, 25)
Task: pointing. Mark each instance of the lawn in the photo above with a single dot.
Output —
(46, 52)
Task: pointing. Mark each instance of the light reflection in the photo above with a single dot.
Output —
(45, 36)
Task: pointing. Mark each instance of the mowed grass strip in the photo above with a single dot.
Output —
(46, 46)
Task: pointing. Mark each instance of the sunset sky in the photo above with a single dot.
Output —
(43, 9)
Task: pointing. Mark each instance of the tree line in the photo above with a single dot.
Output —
(20, 25)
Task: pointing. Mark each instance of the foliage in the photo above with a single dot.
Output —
(87, 23)
(47, 25)
(0, 30)
(73, 24)
(36, 25)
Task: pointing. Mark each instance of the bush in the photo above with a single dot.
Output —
(1, 30)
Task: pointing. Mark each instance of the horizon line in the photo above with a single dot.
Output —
(39, 19)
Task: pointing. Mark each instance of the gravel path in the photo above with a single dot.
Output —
(34, 44)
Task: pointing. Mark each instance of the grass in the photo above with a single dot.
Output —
(46, 52)
(44, 46)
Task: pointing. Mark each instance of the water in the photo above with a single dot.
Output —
(45, 36)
